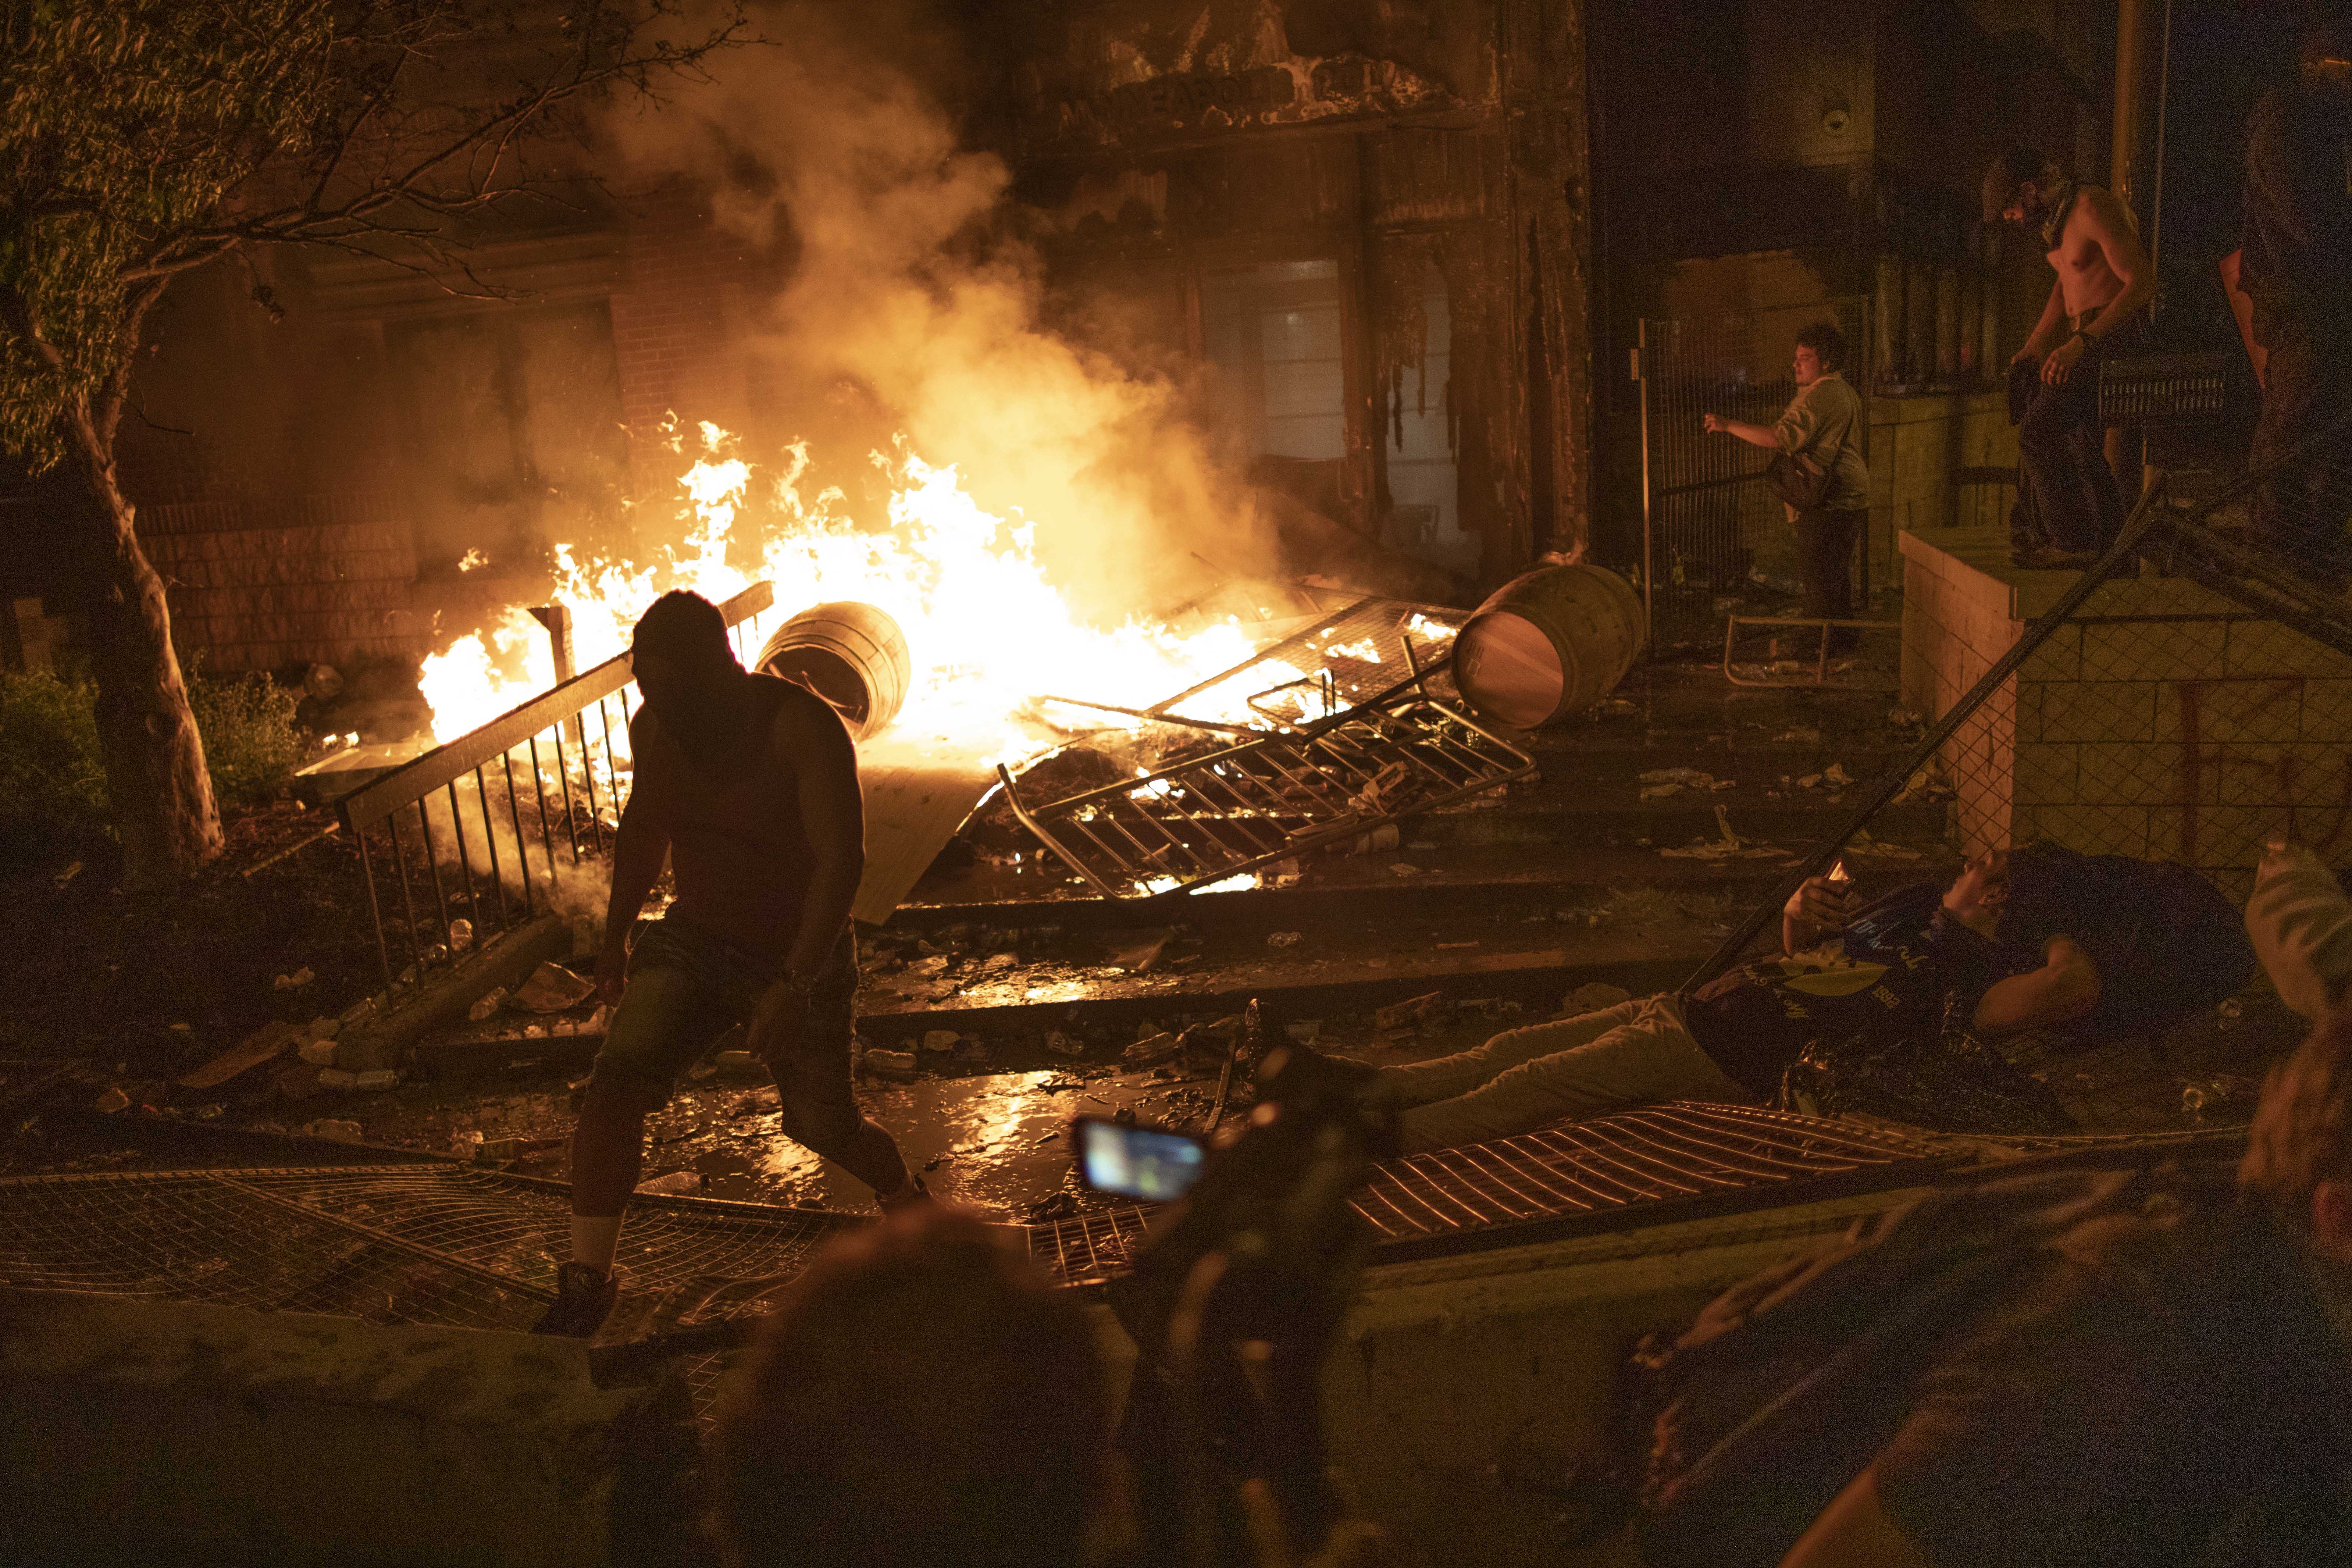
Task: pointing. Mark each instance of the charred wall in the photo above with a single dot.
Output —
(1404, 181)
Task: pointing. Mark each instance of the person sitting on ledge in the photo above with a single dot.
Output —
(2029, 941)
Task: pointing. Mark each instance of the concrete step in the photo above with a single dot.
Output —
(1530, 878)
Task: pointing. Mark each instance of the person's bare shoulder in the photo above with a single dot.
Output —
(806, 729)
(2104, 215)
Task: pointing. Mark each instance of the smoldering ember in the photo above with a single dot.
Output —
(1387, 781)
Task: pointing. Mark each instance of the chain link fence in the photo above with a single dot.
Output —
(2187, 699)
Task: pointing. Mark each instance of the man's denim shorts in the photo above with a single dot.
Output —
(687, 987)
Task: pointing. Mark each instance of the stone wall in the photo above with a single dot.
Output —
(2163, 721)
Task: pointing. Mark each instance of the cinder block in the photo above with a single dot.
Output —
(2266, 647)
(2233, 835)
(2153, 650)
(2326, 712)
(2228, 712)
(2319, 776)
(2118, 773)
(2095, 830)
(2059, 657)
(2044, 775)
(2247, 775)
(2097, 712)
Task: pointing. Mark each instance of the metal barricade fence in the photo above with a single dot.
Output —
(462, 815)
(1708, 519)
(2188, 698)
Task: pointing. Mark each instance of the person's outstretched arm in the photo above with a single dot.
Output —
(2065, 988)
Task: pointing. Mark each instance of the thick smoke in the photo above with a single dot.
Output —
(903, 304)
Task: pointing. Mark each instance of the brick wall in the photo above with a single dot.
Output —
(2163, 721)
(677, 326)
(260, 584)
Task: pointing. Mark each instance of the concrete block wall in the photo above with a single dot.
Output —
(2162, 720)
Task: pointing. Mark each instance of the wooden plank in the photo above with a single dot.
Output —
(912, 811)
(262, 1045)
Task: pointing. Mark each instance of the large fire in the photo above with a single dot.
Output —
(987, 631)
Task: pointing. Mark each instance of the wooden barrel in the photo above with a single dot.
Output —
(852, 655)
(1547, 645)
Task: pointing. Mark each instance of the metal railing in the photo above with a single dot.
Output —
(462, 815)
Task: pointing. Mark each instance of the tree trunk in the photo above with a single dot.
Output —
(155, 773)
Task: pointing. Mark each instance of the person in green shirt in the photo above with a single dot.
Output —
(1825, 419)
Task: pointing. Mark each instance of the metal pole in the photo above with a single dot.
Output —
(1649, 542)
(557, 619)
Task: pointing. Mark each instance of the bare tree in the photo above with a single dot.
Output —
(143, 139)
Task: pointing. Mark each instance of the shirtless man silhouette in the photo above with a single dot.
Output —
(2104, 282)
(748, 786)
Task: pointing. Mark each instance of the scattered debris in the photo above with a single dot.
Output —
(940, 1040)
(1905, 719)
(375, 1079)
(328, 1127)
(1924, 785)
(738, 1062)
(1432, 1011)
(899, 1065)
(1063, 1045)
(1282, 874)
(294, 982)
(1863, 844)
(488, 1004)
(319, 1053)
(259, 1047)
(1836, 776)
(337, 1077)
(68, 875)
(1385, 836)
(1593, 997)
(1730, 847)
(552, 988)
(1401, 870)
(112, 1100)
(1659, 784)
(1144, 949)
(1285, 938)
(678, 1183)
(1304, 1030)
(461, 935)
(1799, 737)
(1150, 1051)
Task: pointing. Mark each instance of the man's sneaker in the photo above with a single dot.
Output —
(584, 1295)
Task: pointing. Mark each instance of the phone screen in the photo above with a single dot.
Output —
(1147, 1163)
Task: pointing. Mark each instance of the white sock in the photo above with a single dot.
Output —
(595, 1239)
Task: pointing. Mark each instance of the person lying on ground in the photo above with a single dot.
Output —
(2162, 1385)
(1973, 956)
(2301, 925)
(1899, 961)
(2164, 941)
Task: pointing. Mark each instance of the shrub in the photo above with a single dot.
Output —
(251, 742)
(51, 781)
(53, 784)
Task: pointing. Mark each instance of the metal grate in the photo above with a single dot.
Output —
(2163, 389)
(1358, 647)
(1710, 524)
(1659, 1154)
(403, 1243)
(1605, 1165)
(1228, 811)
